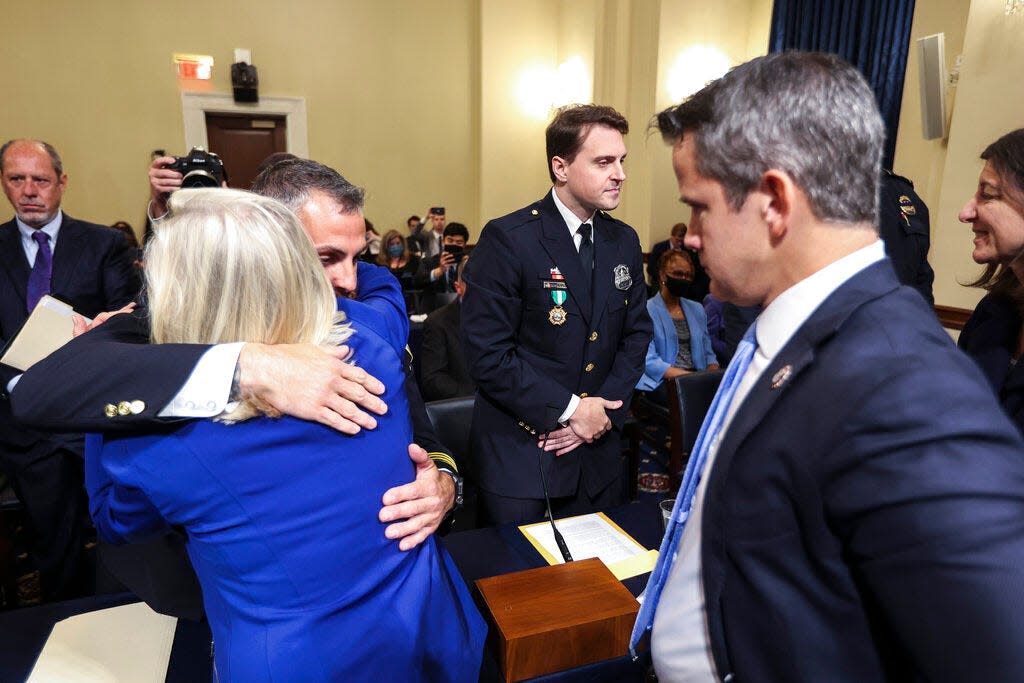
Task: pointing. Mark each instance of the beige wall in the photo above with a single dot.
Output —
(416, 99)
(989, 103)
(389, 91)
(739, 28)
(924, 161)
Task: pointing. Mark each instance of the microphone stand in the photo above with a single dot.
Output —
(559, 540)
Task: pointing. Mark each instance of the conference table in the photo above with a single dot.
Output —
(478, 553)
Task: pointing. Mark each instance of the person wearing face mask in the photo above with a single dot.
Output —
(681, 343)
(395, 256)
(994, 335)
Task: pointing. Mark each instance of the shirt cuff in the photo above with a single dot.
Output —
(206, 392)
(574, 403)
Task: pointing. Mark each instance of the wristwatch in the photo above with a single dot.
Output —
(449, 519)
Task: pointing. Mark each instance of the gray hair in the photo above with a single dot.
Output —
(809, 114)
(291, 181)
(58, 165)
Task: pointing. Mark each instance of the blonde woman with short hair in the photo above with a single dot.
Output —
(299, 581)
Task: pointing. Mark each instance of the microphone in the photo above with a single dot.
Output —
(559, 540)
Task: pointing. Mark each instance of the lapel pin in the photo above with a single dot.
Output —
(782, 376)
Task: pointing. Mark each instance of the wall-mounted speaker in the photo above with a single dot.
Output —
(931, 59)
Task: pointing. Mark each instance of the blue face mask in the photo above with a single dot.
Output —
(395, 250)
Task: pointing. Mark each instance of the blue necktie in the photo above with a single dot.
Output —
(39, 278)
(691, 478)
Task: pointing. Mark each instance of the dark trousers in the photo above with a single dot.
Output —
(49, 484)
(496, 509)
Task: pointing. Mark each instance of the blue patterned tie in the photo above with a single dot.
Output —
(39, 278)
(691, 478)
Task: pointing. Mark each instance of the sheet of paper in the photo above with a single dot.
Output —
(48, 328)
(116, 645)
(587, 536)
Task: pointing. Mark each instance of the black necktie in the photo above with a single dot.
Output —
(586, 251)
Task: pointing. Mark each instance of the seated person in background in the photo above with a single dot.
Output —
(436, 274)
(994, 335)
(373, 243)
(298, 577)
(727, 324)
(701, 282)
(396, 257)
(681, 344)
(443, 369)
(133, 242)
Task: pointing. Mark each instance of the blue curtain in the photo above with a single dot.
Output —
(873, 35)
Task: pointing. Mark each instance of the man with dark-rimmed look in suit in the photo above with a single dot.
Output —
(45, 251)
(555, 327)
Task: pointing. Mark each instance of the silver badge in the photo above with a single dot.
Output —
(782, 376)
(622, 279)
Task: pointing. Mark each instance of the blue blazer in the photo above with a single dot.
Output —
(864, 516)
(661, 352)
(299, 581)
(527, 364)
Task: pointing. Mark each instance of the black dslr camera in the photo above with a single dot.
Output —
(200, 169)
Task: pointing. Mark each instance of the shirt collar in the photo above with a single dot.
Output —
(571, 219)
(51, 228)
(784, 316)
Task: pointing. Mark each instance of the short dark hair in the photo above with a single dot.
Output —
(413, 217)
(572, 123)
(674, 254)
(291, 181)
(810, 114)
(678, 229)
(456, 230)
(58, 165)
(1007, 158)
(274, 158)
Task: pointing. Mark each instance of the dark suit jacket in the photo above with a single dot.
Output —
(527, 367)
(92, 271)
(443, 370)
(864, 520)
(990, 338)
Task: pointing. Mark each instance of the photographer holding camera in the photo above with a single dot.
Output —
(198, 168)
(436, 275)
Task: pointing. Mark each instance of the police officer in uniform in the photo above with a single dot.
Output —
(555, 329)
(904, 228)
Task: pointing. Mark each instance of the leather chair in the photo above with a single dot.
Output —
(689, 398)
(452, 419)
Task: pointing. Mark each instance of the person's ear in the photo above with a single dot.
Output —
(778, 195)
(559, 168)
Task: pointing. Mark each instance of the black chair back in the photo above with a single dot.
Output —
(453, 422)
(453, 419)
(689, 399)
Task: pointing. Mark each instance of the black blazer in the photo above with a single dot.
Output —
(527, 364)
(92, 271)
(443, 370)
(864, 516)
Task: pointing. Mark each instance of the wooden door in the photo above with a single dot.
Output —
(243, 141)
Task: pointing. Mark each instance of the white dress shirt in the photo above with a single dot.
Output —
(29, 244)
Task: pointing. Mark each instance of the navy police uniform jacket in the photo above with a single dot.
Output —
(528, 353)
